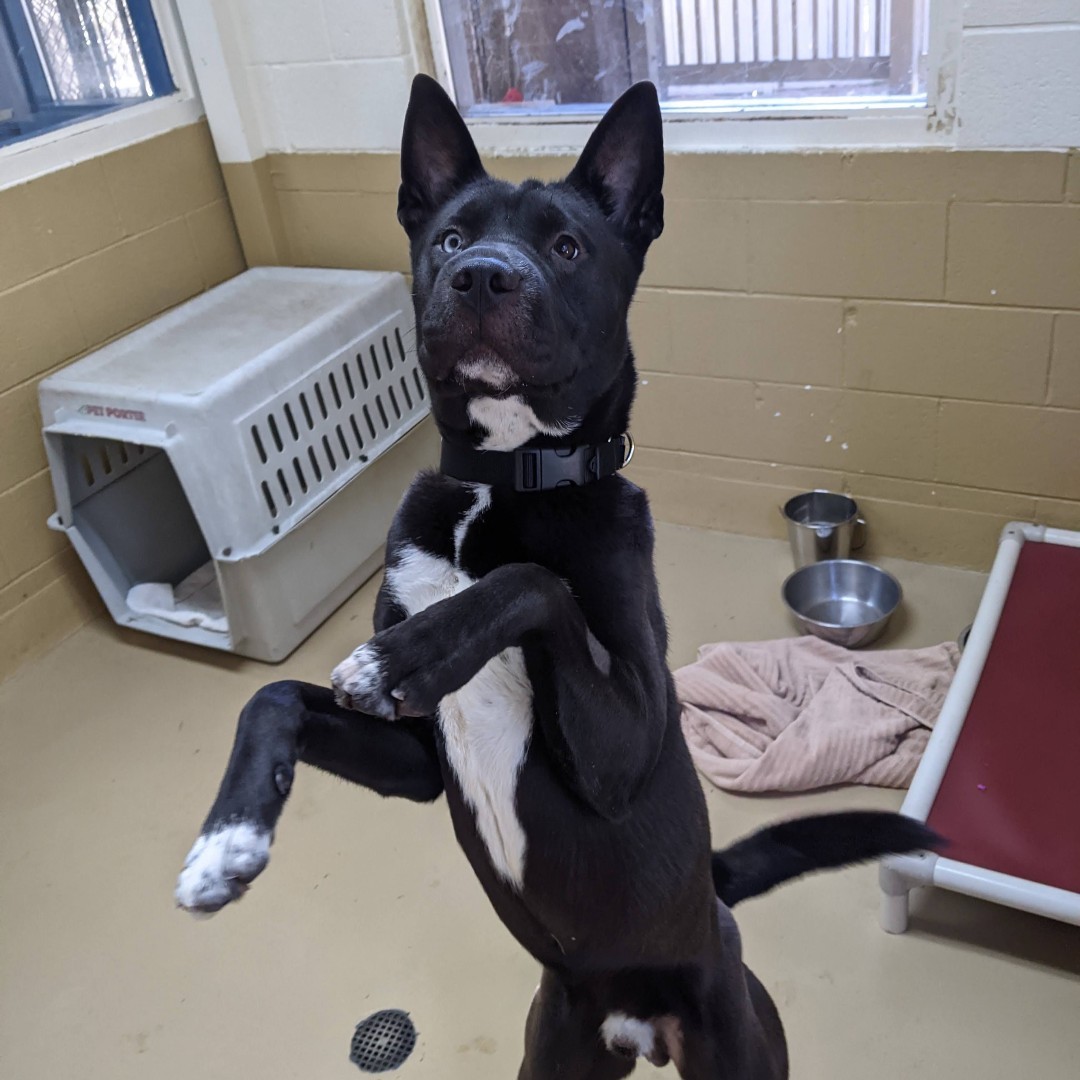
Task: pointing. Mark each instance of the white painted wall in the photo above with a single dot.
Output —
(333, 75)
(1019, 74)
(327, 74)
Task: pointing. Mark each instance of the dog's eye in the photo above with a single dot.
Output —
(451, 242)
(566, 247)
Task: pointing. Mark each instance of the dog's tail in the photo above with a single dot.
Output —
(779, 853)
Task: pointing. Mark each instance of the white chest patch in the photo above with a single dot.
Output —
(510, 422)
(486, 724)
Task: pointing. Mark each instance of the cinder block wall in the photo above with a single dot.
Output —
(87, 253)
(904, 326)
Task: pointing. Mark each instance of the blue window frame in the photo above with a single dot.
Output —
(64, 60)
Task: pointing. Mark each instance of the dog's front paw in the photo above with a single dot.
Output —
(360, 683)
(221, 866)
(402, 671)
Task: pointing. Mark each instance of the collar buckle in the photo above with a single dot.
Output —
(540, 470)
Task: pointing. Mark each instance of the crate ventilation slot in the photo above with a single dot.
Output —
(345, 412)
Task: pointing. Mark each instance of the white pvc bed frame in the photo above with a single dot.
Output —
(900, 874)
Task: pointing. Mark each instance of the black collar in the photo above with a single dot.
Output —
(528, 469)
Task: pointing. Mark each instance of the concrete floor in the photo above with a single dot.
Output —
(112, 748)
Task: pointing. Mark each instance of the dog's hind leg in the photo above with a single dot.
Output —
(737, 1033)
(283, 723)
(563, 1039)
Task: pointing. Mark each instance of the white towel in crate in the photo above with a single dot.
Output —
(196, 601)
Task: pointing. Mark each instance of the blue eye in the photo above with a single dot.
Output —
(451, 242)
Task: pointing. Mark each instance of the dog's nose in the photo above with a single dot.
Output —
(485, 279)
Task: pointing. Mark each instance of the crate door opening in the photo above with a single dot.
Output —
(138, 536)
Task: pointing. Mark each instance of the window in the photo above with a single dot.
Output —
(509, 57)
(65, 60)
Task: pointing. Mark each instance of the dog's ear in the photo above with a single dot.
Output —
(438, 155)
(622, 166)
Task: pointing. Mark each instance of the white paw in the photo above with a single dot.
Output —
(220, 866)
(628, 1037)
(359, 683)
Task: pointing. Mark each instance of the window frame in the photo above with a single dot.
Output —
(50, 113)
(798, 127)
(71, 144)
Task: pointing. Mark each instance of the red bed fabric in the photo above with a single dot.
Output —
(1010, 799)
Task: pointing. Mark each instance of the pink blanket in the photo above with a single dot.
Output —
(798, 714)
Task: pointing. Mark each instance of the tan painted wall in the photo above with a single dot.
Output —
(87, 253)
(901, 325)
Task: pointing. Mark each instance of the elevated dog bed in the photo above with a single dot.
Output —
(999, 776)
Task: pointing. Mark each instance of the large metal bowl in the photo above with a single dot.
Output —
(843, 601)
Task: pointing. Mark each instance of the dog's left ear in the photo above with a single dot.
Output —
(438, 155)
(622, 166)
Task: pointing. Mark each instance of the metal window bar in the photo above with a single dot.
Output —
(818, 42)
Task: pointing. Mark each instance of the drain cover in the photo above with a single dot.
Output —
(383, 1041)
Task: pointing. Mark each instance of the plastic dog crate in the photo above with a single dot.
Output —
(227, 472)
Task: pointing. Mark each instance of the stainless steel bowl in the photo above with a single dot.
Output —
(843, 601)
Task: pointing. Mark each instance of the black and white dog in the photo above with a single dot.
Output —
(518, 663)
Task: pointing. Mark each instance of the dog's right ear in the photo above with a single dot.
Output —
(438, 155)
(622, 166)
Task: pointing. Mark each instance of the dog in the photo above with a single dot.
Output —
(518, 664)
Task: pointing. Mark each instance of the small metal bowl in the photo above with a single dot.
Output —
(843, 601)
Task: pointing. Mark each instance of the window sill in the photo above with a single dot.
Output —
(68, 145)
(712, 131)
(52, 118)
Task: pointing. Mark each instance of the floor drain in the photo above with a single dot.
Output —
(383, 1041)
